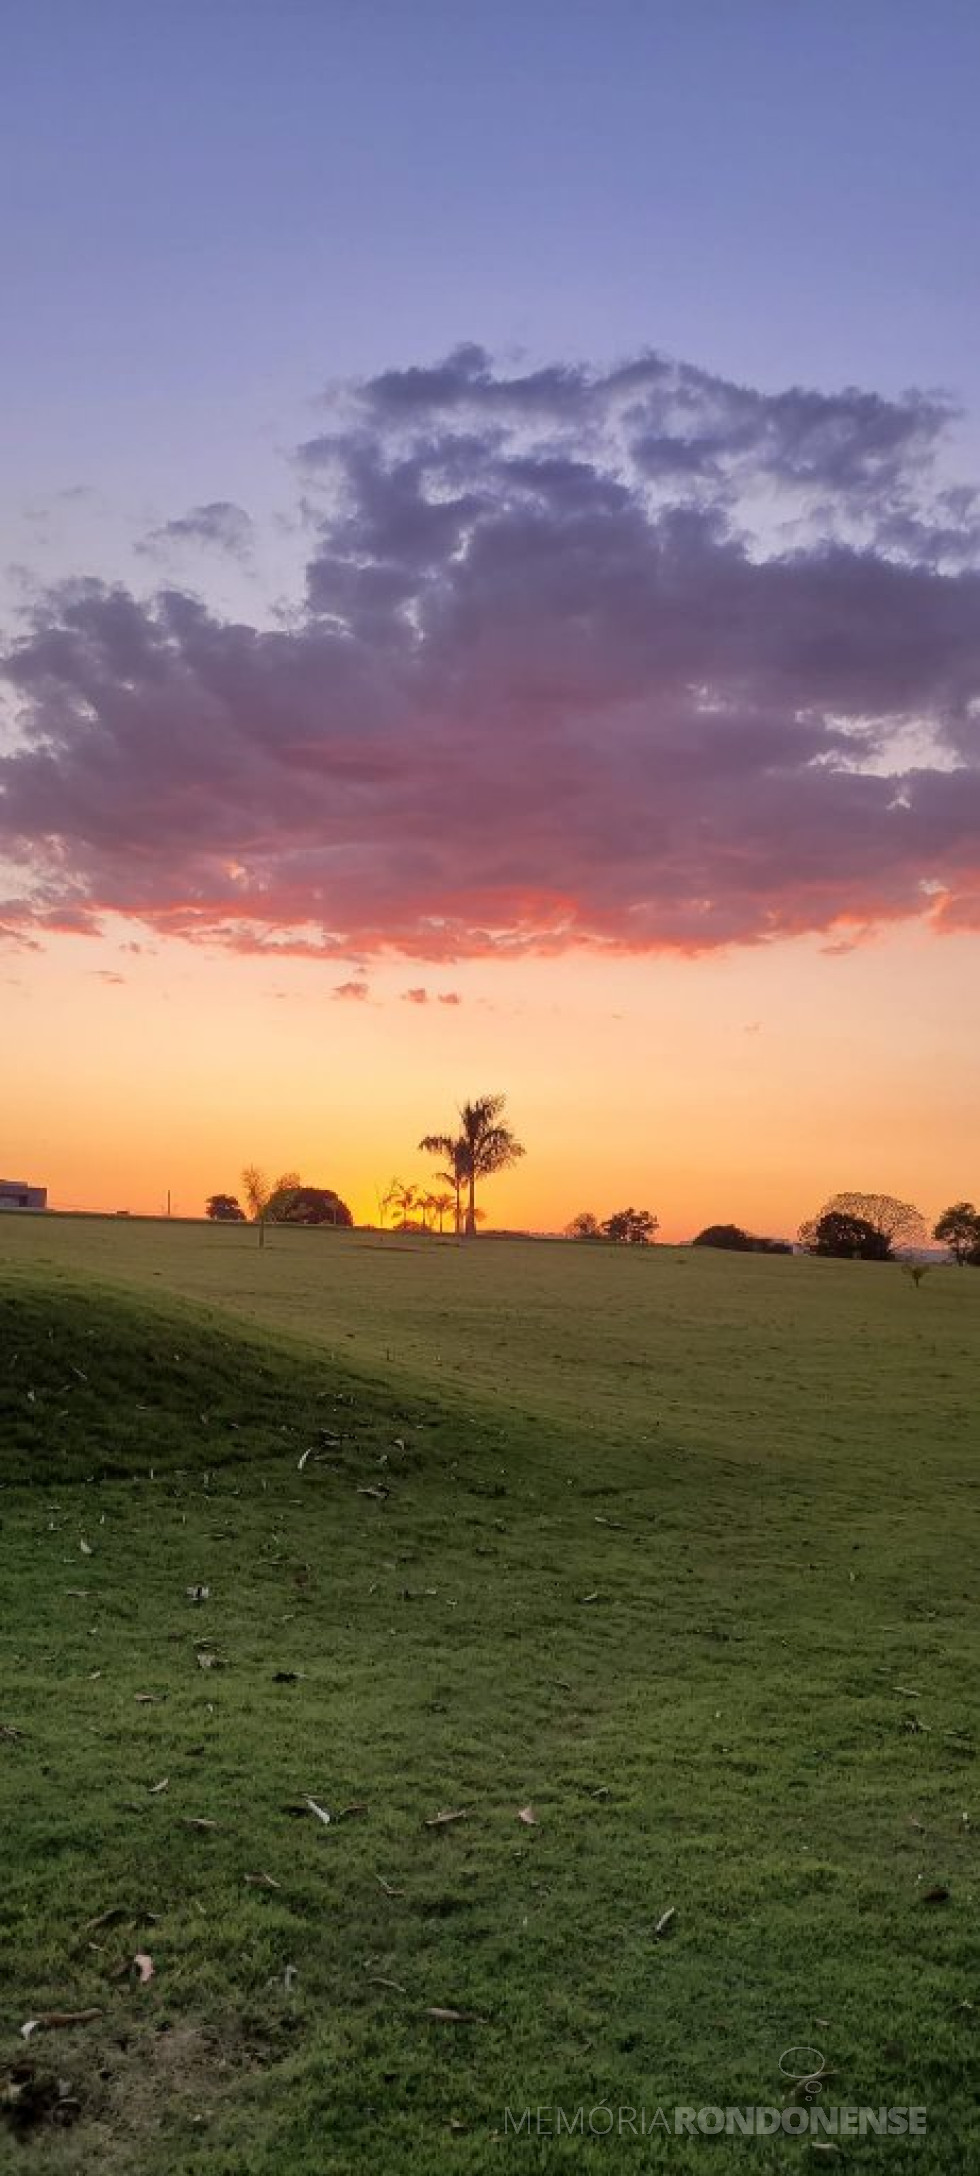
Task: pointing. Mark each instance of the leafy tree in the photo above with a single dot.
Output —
(845, 1238)
(265, 1202)
(732, 1238)
(440, 1204)
(224, 1209)
(892, 1223)
(483, 1145)
(632, 1227)
(584, 1226)
(959, 1229)
(729, 1236)
(314, 1205)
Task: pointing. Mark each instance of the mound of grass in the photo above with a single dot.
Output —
(741, 1703)
(98, 1385)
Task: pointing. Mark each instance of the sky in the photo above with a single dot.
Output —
(490, 599)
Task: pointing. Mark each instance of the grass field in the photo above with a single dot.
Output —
(677, 1551)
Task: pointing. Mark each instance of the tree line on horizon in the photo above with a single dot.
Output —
(850, 1226)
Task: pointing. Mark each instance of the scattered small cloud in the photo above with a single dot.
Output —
(450, 997)
(107, 974)
(356, 991)
(220, 525)
(415, 997)
(11, 934)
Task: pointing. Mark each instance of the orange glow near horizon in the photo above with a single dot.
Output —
(742, 1086)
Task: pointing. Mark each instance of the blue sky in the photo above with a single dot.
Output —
(220, 206)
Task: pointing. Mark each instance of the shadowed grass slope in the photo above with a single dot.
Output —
(740, 1698)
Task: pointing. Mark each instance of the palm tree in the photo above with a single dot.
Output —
(441, 1205)
(482, 1146)
(454, 1150)
(403, 1197)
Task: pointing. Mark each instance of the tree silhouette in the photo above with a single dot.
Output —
(453, 1151)
(841, 1237)
(584, 1226)
(224, 1209)
(959, 1229)
(632, 1227)
(483, 1145)
(891, 1223)
(313, 1205)
(265, 1202)
(730, 1237)
(404, 1197)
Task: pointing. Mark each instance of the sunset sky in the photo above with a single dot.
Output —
(490, 599)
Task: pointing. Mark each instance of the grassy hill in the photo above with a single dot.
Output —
(710, 1617)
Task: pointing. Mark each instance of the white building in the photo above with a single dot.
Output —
(16, 1194)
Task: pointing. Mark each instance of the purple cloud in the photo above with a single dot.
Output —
(220, 524)
(637, 659)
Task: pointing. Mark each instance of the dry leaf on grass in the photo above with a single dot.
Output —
(454, 2017)
(447, 1816)
(386, 1886)
(10, 1733)
(320, 1811)
(395, 1985)
(56, 2020)
(148, 1699)
(144, 1967)
(665, 1922)
(262, 1881)
(528, 1816)
(198, 1594)
(195, 1820)
(156, 1788)
(85, 1549)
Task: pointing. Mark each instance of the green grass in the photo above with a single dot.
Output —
(674, 1549)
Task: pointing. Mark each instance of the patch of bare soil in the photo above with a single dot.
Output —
(92, 2101)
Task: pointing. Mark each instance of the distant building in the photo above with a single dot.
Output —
(16, 1194)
